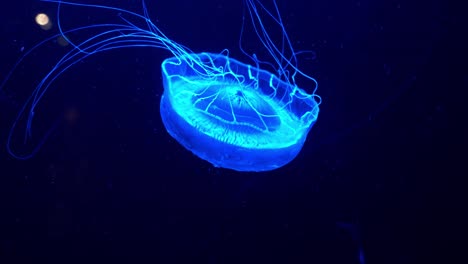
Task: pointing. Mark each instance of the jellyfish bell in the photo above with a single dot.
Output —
(241, 117)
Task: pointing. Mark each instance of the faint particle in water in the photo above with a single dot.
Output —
(71, 115)
(62, 41)
(387, 69)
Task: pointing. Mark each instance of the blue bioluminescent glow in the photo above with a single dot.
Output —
(231, 114)
(241, 118)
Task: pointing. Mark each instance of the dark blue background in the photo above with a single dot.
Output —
(382, 169)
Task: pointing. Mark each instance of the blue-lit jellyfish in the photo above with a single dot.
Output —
(231, 114)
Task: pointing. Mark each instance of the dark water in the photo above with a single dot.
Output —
(381, 174)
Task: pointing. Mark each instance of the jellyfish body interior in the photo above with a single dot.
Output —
(231, 114)
(244, 118)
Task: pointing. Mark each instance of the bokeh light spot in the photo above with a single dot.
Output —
(43, 21)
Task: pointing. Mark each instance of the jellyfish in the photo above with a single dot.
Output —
(232, 114)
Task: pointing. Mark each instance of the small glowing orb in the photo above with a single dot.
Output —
(43, 21)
